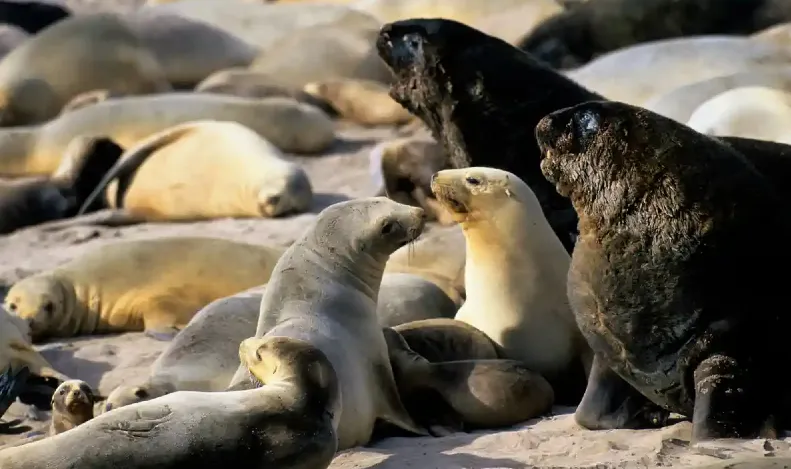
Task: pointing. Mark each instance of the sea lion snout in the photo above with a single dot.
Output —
(400, 50)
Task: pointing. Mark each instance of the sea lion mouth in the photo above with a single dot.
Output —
(447, 196)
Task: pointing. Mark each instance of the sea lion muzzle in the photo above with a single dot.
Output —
(398, 50)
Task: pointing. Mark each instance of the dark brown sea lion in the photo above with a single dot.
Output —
(588, 29)
(672, 281)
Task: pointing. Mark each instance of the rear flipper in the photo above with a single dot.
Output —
(11, 386)
(106, 217)
(163, 334)
(38, 391)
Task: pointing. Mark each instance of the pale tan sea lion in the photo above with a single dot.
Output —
(466, 395)
(155, 285)
(515, 276)
(756, 112)
(365, 102)
(260, 24)
(680, 103)
(403, 168)
(204, 170)
(448, 339)
(10, 38)
(80, 53)
(323, 290)
(438, 256)
(286, 424)
(678, 62)
(72, 405)
(324, 52)
(37, 150)
(189, 50)
(203, 356)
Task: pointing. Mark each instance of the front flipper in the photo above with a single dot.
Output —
(11, 386)
(729, 402)
(107, 217)
(164, 334)
(612, 403)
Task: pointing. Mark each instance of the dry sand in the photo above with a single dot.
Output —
(551, 442)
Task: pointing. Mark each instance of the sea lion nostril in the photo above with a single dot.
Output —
(586, 123)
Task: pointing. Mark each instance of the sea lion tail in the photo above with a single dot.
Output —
(128, 164)
(11, 386)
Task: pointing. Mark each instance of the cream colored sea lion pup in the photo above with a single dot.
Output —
(286, 424)
(757, 112)
(204, 170)
(324, 290)
(72, 405)
(156, 285)
(466, 395)
(78, 54)
(287, 124)
(515, 276)
(365, 102)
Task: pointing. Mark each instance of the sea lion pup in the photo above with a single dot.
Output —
(466, 395)
(658, 230)
(289, 125)
(204, 355)
(233, 173)
(451, 76)
(32, 16)
(324, 290)
(365, 102)
(108, 289)
(515, 276)
(94, 51)
(448, 339)
(30, 201)
(755, 112)
(588, 29)
(403, 168)
(72, 405)
(287, 423)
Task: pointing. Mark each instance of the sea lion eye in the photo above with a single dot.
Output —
(62, 391)
(141, 393)
(49, 307)
(388, 228)
(473, 181)
(12, 306)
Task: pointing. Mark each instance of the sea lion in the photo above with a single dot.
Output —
(188, 50)
(72, 405)
(323, 290)
(515, 275)
(10, 38)
(678, 61)
(37, 150)
(664, 212)
(755, 112)
(466, 395)
(287, 423)
(203, 356)
(448, 339)
(32, 16)
(112, 289)
(680, 103)
(93, 50)
(323, 52)
(586, 30)
(232, 173)
(365, 102)
(12, 383)
(30, 201)
(451, 76)
(439, 257)
(251, 84)
(403, 168)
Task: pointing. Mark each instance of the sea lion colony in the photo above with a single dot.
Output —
(588, 256)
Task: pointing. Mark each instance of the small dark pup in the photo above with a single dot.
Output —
(672, 280)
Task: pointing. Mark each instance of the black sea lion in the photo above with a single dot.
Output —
(588, 29)
(666, 215)
(12, 383)
(478, 94)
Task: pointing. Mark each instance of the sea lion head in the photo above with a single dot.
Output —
(366, 229)
(42, 301)
(74, 401)
(127, 395)
(277, 359)
(479, 193)
(283, 194)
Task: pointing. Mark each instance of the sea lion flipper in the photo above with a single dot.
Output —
(611, 403)
(164, 334)
(126, 167)
(106, 217)
(11, 386)
(393, 411)
(86, 160)
(88, 98)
